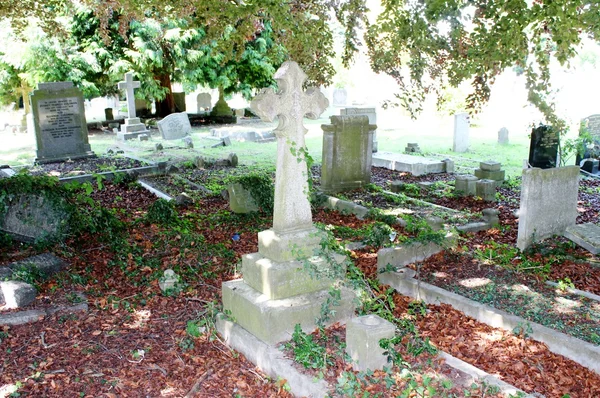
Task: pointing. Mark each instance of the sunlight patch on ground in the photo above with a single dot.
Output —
(475, 282)
(495, 335)
(140, 317)
(7, 390)
(565, 306)
(439, 274)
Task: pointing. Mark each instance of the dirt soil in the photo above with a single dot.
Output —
(86, 166)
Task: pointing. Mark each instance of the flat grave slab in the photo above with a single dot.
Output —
(416, 165)
(245, 133)
(586, 236)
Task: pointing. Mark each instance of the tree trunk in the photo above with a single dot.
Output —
(165, 106)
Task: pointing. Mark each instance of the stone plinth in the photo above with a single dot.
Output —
(347, 153)
(486, 190)
(362, 341)
(466, 185)
(132, 128)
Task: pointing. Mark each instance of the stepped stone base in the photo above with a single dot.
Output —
(273, 321)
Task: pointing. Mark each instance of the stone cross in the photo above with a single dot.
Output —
(129, 84)
(291, 104)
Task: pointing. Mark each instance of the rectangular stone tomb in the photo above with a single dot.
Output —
(416, 165)
(347, 153)
(586, 236)
(244, 134)
(175, 126)
(59, 123)
(548, 203)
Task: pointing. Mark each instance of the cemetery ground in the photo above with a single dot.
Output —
(135, 340)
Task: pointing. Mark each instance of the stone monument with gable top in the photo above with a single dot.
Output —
(461, 132)
(133, 126)
(59, 123)
(347, 153)
(204, 102)
(371, 113)
(278, 291)
(543, 148)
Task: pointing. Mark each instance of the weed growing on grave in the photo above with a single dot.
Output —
(565, 284)
(379, 235)
(260, 185)
(162, 212)
(307, 352)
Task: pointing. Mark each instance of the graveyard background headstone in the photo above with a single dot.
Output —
(503, 136)
(133, 126)
(461, 133)
(347, 153)
(371, 113)
(543, 147)
(590, 125)
(340, 97)
(204, 102)
(59, 123)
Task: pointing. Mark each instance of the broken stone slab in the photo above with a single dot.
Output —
(16, 294)
(408, 253)
(416, 165)
(47, 264)
(585, 235)
(473, 227)
(30, 316)
(491, 216)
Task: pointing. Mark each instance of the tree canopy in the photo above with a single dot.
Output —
(425, 45)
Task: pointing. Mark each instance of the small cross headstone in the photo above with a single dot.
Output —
(543, 148)
(133, 127)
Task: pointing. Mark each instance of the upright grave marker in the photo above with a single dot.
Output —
(204, 102)
(347, 153)
(133, 126)
(277, 292)
(59, 123)
(370, 112)
(548, 203)
(543, 148)
(590, 125)
(461, 132)
(175, 126)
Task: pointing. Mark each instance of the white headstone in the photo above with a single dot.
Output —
(175, 126)
(128, 85)
(204, 101)
(503, 136)
(461, 132)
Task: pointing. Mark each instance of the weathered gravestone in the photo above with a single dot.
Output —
(543, 148)
(277, 291)
(175, 126)
(548, 203)
(30, 217)
(591, 126)
(371, 113)
(179, 99)
(461, 132)
(133, 126)
(503, 136)
(340, 97)
(240, 199)
(59, 123)
(204, 102)
(347, 153)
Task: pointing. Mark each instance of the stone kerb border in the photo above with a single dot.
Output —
(332, 203)
(273, 362)
(584, 353)
(109, 175)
